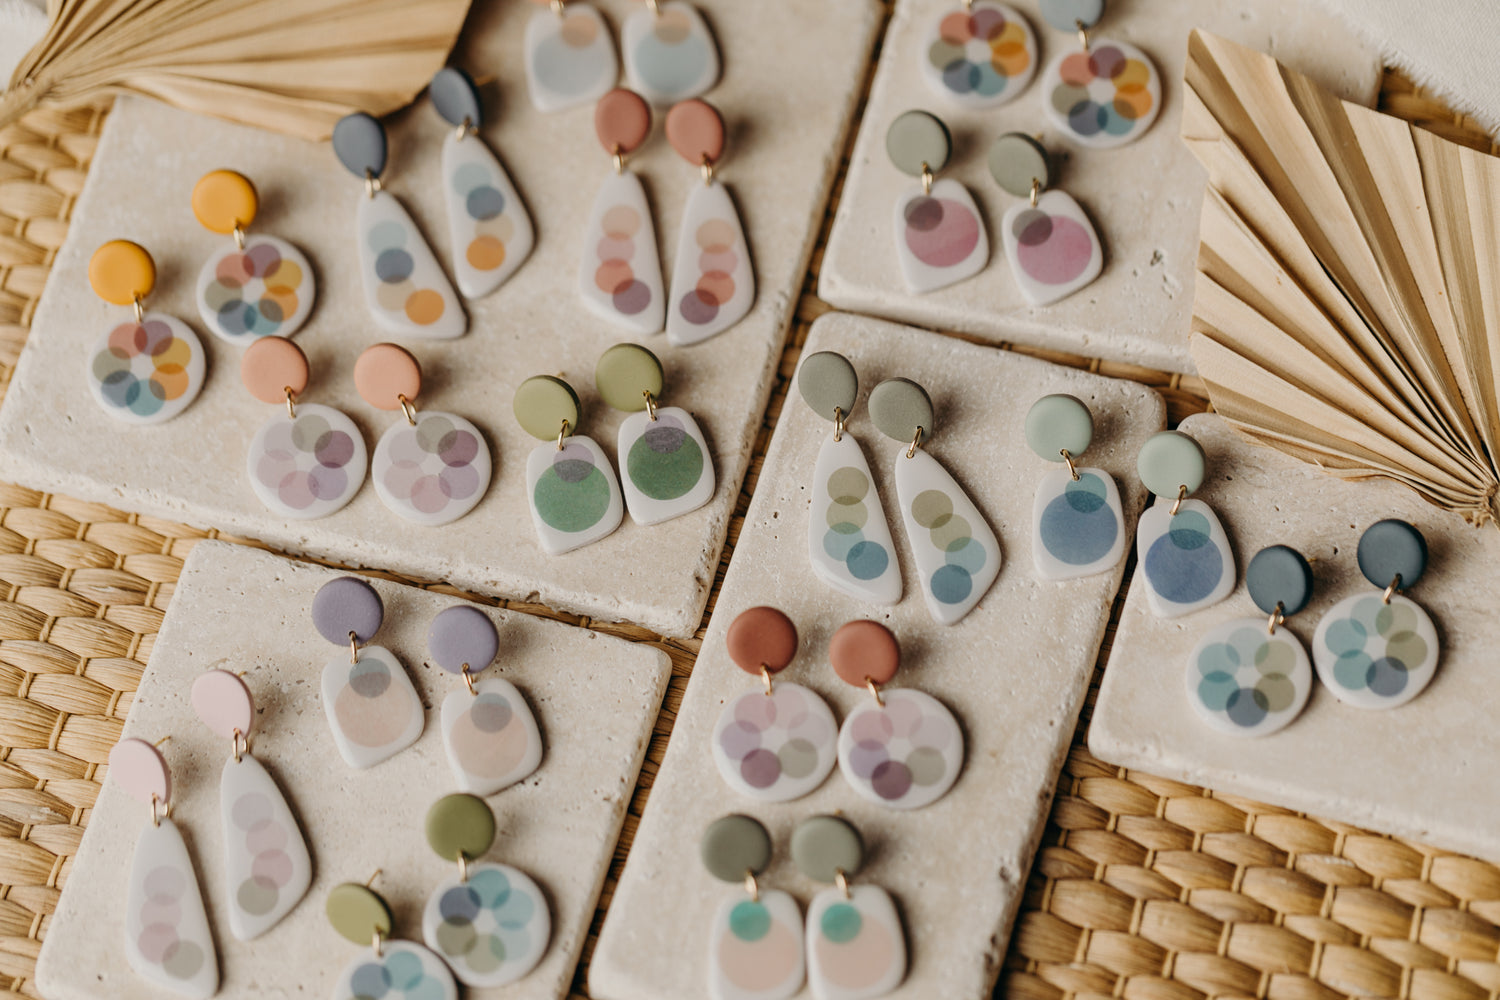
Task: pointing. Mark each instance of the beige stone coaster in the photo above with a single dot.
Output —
(1422, 770)
(782, 152)
(595, 699)
(1144, 198)
(1014, 672)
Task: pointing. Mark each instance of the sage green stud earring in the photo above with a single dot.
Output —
(956, 552)
(361, 916)
(664, 460)
(1077, 520)
(755, 949)
(939, 236)
(574, 496)
(1184, 554)
(862, 917)
(490, 922)
(1050, 242)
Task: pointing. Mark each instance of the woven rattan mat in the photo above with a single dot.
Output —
(1144, 888)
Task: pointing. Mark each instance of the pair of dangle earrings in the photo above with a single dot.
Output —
(670, 54)
(489, 732)
(956, 552)
(1250, 677)
(619, 277)
(853, 946)
(570, 483)
(902, 749)
(487, 925)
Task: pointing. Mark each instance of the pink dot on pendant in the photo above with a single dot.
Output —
(941, 233)
(224, 703)
(1062, 255)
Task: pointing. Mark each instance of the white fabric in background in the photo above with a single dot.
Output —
(1445, 46)
(22, 23)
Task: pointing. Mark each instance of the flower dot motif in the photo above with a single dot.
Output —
(1245, 681)
(491, 929)
(307, 466)
(434, 472)
(775, 747)
(980, 57)
(404, 971)
(263, 290)
(1376, 654)
(1104, 97)
(147, 372)
(905, 753)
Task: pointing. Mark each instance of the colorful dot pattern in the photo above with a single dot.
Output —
(159, 941)
(573, 494)
(1104, 93)
(780, 745)
(1184, 565)
(265, 840)
(848, 514)
(404, 972)
(490, 736)
(673, 57)
(952, 535)
(142, 368)
(940, 232)
(981, 52)
(1376, 648)
(1051, 249)
(717, 241)
(1078, 527)
(1248, 677)
(755, 951)
(855, 944)
(665, 462)
(438, 467)
(904, 753)
(497, 917)
(253, 292)
(615, 275)
(308, 460)
(392, 244)
(485, 205)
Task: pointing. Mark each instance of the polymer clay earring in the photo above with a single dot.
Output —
(901, 749)
(669, 52)
(266, 864)
(489, 733)
(848, 539)
(1250, 676)
(390, 969)
(491, 232)
(776, 744)
(980, 55)
(713, 285)
(407, 292)
(939, 236)
(1380, 650)
(855, 947)
(755, 948)
(620, 274)
(1184, 553)
(147, 369)
(665, 467)
(372, 708)
(167, 940)
(570, 58)
(574, 496)
(490, 922)
(430, 468)
(956, 551)
(309, 461)
(1050, 243)
(1077, 521)
(258, 286)
(1108, 93)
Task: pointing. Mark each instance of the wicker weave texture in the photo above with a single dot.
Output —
(1146, 889)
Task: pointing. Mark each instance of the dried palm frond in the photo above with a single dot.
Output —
(1347, 308)
(293, 66)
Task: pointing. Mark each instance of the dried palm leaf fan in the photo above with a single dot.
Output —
(1347, 309)
(293, 66)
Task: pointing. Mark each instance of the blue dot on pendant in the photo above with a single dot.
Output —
(1182, 565)
(1078, 527)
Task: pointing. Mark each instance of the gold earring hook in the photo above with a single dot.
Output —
(140, 313)
(466, 128)
(617, 158)
(1036, 191)
(1278, 617)
(239, 235)
(463, 867)
(372, 183)
(842, 881)
(241, 743)
(469, 680)
(1083, 35)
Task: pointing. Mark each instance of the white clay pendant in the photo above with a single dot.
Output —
(956, 552)
(666, 467)
(403, 970)
(1077, 525)
(1185, 559)
(1103, 98)
(407, 292)
(979, 57)
(1244, 680)
(776, 747)
(670, 53)
(620, 274)
(755, 948)
(575, 499)
(904, 754)
(713, 285)
(848, 538)
(432, 473)
(491, 929)
(167, 940)
(940, 239)
(307, 466)
(263, 290)
(372, 707)
(1373, 654)
(490, 736)
(855, 947)
(266, 861)
(1052, 248)
(146, 372)
(491, 232)
(570, 58)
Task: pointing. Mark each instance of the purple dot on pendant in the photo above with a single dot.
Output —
(760, 768)
(462, 635)
(891, 780)
(924, 214)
